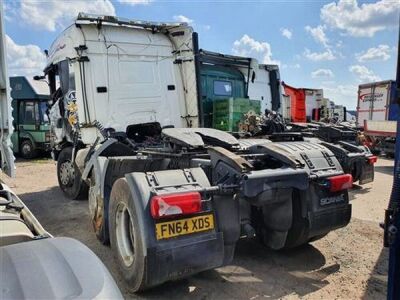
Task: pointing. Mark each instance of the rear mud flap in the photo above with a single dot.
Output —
(325, 221)
(181, 259)
(367, 173)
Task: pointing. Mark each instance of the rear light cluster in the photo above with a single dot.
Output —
(164, 206)
(340, 182)
(372, 159)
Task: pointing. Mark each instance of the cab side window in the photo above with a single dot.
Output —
(29, 113)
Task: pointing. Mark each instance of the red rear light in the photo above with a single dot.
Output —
(175, 204)
(372, 159)
(340, 182)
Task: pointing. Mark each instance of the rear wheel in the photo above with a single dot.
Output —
(125, 237)
(69, 176)
(27, 149)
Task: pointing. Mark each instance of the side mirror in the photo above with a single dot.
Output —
(39, 77)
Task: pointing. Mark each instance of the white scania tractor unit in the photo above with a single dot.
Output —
(130, 103)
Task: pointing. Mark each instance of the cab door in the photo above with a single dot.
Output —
(29, 120)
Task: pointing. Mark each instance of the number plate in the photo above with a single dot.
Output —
(166, 230)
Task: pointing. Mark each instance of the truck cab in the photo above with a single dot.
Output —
(31, 121)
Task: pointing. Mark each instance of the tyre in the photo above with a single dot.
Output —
(96, 212)
(125, 238)
(27, 149)
(69, 177)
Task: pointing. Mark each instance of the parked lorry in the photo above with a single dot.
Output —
(34, 264)
(172, 198)
(377, 113)
(355, 158)
(309, 105)
(304, 102)
(31, 122)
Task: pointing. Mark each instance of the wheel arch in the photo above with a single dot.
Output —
(26, 136)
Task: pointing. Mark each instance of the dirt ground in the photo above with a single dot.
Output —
(349, 263)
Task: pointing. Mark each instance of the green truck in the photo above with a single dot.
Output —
(31, 122)
(224, 91)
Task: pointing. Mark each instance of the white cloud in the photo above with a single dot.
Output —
(318, 34)
(250, 47)
(382, 52)
(363, 73)
(339, 44)
(183, 19)
(294, 66)
(24, 60)
(322, 73)
(135, 2)
(341, 94)
(361, 20)
(319, 56)
(286, 33)
(52, 15)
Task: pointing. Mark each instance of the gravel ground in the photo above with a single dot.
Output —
(349, 263)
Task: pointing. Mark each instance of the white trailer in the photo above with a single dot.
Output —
(377, 112)
(376, 102)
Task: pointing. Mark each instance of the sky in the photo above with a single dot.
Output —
(333, 45)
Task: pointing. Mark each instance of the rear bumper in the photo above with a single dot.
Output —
(181, 257)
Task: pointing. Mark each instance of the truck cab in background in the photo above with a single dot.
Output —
(30, 116)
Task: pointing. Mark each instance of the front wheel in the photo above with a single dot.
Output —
(125, 237)
(69, 176)
(27, 149)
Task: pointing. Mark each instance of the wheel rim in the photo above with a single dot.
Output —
(124, 235)
(67, 173)
(26, 149)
